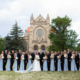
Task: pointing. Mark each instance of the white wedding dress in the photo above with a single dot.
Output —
(35, 66)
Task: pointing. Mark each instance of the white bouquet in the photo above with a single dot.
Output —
(16, 58)
(30, 56)
(72, 57)
(65, 55)
(44, 57)
(2, 57)
(58, 57)
(51, 56)
(79, 56)
(9, 56)
(37, 57)
(22, 58)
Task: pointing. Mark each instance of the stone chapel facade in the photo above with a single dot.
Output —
(36, 36)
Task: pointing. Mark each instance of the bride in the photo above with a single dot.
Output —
(35, 66)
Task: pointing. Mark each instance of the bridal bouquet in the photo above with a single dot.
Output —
(22, 58)
(2, 57)
(44, 57)
(16, 58)
(72, 57)
(9, 56)
(37, 57)
(30, 57)
(65, 56)
(58, 57)
(51, 56)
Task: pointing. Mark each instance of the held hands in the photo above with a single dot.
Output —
(47, 61)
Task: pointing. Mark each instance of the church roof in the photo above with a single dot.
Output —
(28, 30)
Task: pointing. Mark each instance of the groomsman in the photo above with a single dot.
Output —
(69, 59)
(77, 60)
(12, 60)
(19, 59)
(48, 61)
(25, 60)
(62, 60)
(41, 55)
(55, 60)
(5, 60)
(33, 56)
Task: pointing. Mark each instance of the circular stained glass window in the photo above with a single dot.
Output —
(39, 32)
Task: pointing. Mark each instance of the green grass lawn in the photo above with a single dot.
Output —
(69, 75)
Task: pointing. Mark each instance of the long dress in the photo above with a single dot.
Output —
(29, 62)
(8, 65)
(65, 64)
(45, 65)
(1, 64)
(52, 67)
(15, 64)
(22, 64)
(35, 66)
(73, 65)
(59, 65)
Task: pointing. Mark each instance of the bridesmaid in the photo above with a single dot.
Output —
(52, 68)
(65, 61)
(59, 61)
(73, 64)
(79, 62)
(8, 61)
(22, 62)
(15, 62)
(1, 61)
(29, 59)
(45, 62)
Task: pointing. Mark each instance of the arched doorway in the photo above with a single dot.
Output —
(43, 48)
(36, 48)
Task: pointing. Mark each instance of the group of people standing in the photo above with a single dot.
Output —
(58, 61)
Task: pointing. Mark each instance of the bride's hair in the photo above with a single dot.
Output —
(37, 53)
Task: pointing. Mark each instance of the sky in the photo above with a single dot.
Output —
(21, 11)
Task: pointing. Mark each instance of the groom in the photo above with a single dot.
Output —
(41, 54)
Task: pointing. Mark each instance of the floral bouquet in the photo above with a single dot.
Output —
(44, 57)
(37, 57)
(30, 57)
(58, 57)
(65, 56)
(22, 58)
(16, 58)
(2, 57)
(72, 57)
(9, 56)
(51, 56)
(79, 56)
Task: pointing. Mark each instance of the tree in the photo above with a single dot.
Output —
(60, 35)
(78, 47)
(2, 44)
(16, 41)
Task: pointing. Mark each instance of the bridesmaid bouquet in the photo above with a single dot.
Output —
(65, 56)
(30, 57)
(58, 57)
(2, 57)
(37, 57)
(9, 56)
(16, 58)
(44, 57)
(72, 57)
(51, 56)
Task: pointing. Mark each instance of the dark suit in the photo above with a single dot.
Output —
(4, 61)
(48, 63)
(12, 60)
(25, 59)
(62, 62)
(55, 61)
(33, 56)
(69, 62)
(18, 61)
(77, 60)
(41, 55)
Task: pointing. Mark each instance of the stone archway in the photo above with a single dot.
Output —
(43, 48)
(35, 48)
